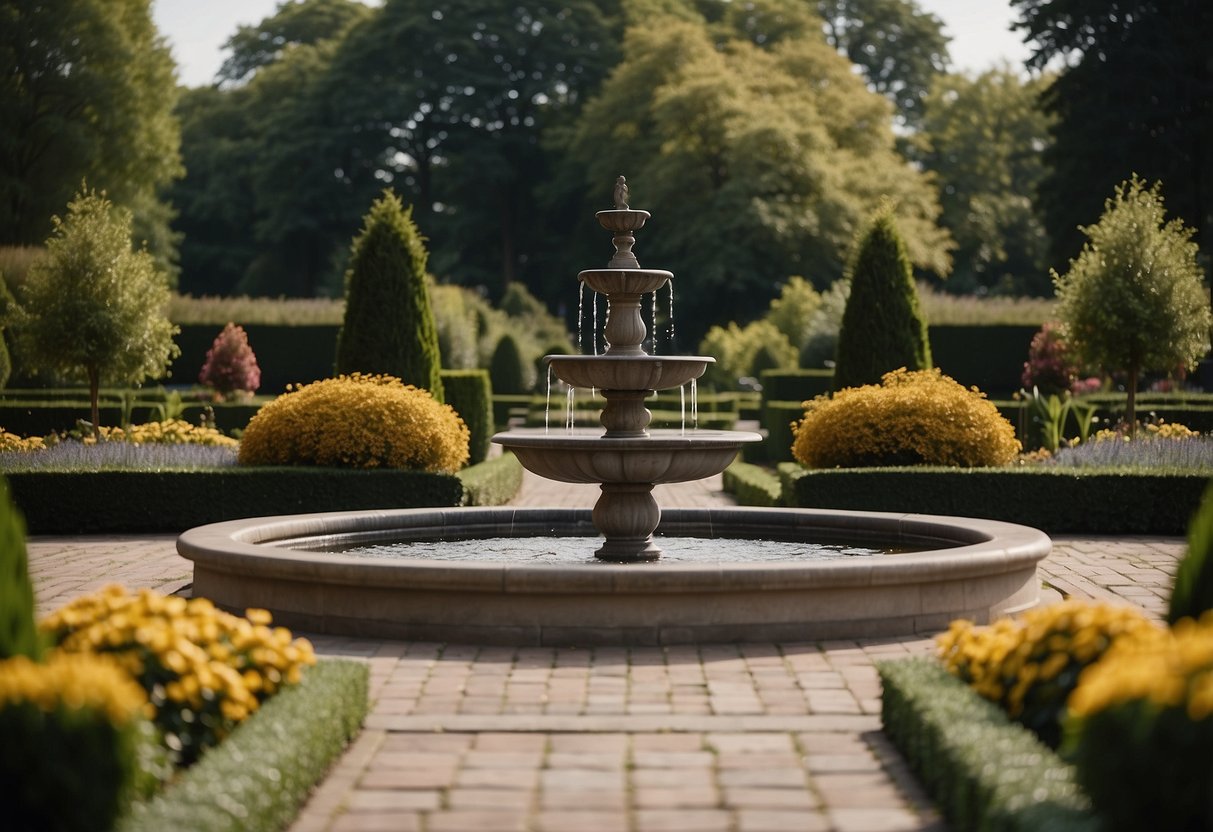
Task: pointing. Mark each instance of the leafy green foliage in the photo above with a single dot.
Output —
(88, 92)
(492, 483)
(793, 311)
(93, 307)
(389, 325)
(265, 770)
(900, 47)
(18, 628)
(1134, 95)
(751, 485)
(1134, 300)
(470, 394)
(507, 369)
(294, 22)
(882, 328)
(1192, 594)
(783, 171)
(982, 136)
(745, 351)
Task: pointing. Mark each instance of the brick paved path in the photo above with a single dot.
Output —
(719, 737)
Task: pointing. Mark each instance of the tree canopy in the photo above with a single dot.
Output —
(295, 22)
(757, 162)
(87, 93)
(983, 137)
(1136, 94)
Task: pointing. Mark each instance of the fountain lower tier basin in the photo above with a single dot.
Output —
(661, 456)
(975, 569)
(628, 372)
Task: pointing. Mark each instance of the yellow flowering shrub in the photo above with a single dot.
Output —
(357, 421)
(13, 442)
(71, 728)
(1140, 729)
(170, 432)
(910, 418)
(204, 670)
(1029, 665)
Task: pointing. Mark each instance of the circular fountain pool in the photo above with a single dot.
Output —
(977, 569)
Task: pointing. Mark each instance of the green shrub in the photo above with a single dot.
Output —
(357, 421)
(882, 328)
(983, 771)
(1141, 730)
(492, 483)
(18, 629)
(507, 370)
(389, 326)
(470, 394)
(268, 766)
(752, 485)
(1192, 595)
(737, 348)
(1030, 665)
(795, 385)
(72, 730)
(911, 418)
(778, 420)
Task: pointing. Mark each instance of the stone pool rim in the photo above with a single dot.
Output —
(990, 570)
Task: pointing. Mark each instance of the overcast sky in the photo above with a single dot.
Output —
(197, 29)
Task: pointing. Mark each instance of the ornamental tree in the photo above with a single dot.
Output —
(389, 324)
(882, 328)
(230, 366)
(1134, 300)
(95, 308)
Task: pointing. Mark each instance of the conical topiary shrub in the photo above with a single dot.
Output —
(231, 367)
(882, 328)
(506, 370)
(389, 324)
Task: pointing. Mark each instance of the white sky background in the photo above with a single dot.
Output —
(197, 30)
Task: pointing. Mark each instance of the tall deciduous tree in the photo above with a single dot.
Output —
(93, 306)
(899, 46)
(757, 162)
(389, 324)
(882, 327)
(1136, 94)
(87, 91)
(983, 137)
(295, 22)
(1133, 300)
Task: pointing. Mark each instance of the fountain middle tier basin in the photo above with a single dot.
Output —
(975, 569)
(628, 372)
(660, 456)
(625, 281)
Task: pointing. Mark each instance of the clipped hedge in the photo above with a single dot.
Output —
(984, 771)
(776, 420)
(989, 357)
(469, 392)
(259, 777)
(752, 485)
(492, 483)
(795, 385)
(77, 502)
(33, 417)
(503, 404)
(1050, 499)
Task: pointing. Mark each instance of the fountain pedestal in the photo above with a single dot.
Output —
(627, 460)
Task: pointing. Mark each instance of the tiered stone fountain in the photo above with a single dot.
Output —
(628, 459)
(951, 567)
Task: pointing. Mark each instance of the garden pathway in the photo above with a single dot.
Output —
(717, 737)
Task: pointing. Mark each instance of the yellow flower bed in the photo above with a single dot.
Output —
(204, 670)
(1031, 664)
(910, 418)
(357, 421)
(73, 682)
(13, 442)
(171, 432)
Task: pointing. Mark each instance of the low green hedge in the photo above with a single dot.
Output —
(469, 392)
(795, 385)
(982, 770)
(503, 404)
(752, 485)
(776, 420)
(61, 502)
(1050, 499)
(259, 777)
(492, 483)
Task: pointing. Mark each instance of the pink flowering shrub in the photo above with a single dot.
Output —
(1049, 366)
(230, 367)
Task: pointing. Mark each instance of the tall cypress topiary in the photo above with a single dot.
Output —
(18, 630)
(882, 328)
(389, 324)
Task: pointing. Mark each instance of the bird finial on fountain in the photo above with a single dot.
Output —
(621, 194)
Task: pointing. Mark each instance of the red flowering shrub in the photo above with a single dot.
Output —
(230, 365)
(1049, 366)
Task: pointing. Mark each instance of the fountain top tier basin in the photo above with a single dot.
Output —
(975, 569)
